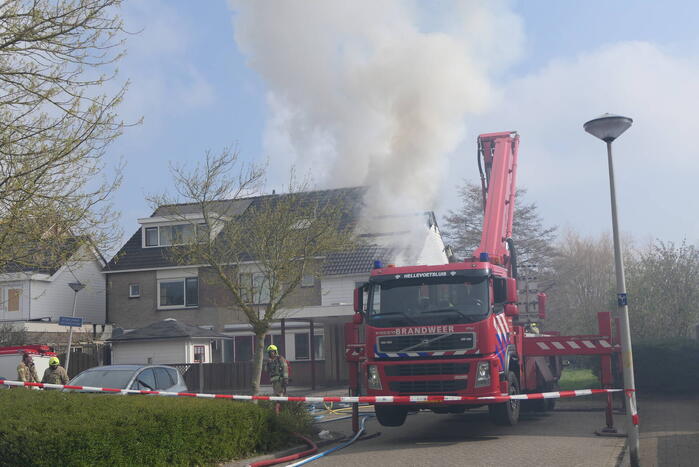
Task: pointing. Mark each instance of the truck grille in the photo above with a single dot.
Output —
(427, 369)
(460, 341)
(428, 386)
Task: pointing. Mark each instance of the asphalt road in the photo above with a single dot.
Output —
(564, 437)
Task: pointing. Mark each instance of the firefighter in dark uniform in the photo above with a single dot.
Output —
(278, 370)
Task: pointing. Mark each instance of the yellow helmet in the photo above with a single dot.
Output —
(54, 361)
(272, 347)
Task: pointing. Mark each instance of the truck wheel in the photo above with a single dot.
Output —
(390, 415)
(507, 414)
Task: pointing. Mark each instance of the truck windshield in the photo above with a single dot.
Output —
(439, 301)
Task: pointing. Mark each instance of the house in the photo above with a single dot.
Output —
(167, 341)
(33, 297)
(146, 286)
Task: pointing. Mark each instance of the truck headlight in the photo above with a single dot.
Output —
(483, 374)
(373, 377)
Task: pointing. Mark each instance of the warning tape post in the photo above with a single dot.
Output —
(314, 399)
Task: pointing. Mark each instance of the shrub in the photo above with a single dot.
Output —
(667, 365)
(56, 428)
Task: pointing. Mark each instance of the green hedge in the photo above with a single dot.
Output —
(56, 428)
(667, 365)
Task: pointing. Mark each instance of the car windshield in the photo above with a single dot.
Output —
(104, 378)
(452, 300)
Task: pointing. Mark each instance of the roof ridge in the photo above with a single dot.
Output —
(267, 195)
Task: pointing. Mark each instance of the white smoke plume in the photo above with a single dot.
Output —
(374, 92)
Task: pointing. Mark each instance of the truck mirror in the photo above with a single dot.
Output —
(542, 305)
(511, 310)
(512, 290)
(359, 299)
(358, 318)
(499, 290)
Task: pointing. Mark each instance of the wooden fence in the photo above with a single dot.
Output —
(237, 376)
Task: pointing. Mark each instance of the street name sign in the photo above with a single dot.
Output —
(70, 321)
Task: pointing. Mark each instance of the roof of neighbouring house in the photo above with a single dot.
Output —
(47, 258)
(166, 329)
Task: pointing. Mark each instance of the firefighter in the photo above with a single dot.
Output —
(55, 373)
(278, 371)
(26, 371)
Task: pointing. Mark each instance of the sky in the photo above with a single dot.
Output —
(393, 94)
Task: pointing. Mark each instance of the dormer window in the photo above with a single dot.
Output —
(169, 235)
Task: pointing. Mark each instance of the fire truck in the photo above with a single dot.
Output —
(11, 356)
(455, 329)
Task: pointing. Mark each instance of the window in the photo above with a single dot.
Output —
(308, 280)
(145, 380)
(199, 354)
(152, 236)
(178, 293)
(254, 287)
(13, 299)
(243, 348)
(134, 290)
(203, 233)
(180, 234)
(318, 341)
(164, 378)
(301, 346)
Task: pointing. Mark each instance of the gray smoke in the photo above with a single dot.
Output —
(374, 92)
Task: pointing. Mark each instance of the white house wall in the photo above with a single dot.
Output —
(339, 290)
(55, 298)
(159, 351)
(23, 313)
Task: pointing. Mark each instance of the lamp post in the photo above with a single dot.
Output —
(77, 287)
(609, 127)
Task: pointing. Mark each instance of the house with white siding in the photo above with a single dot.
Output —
(146, 286)
(41, 294)
(34, 297)
(167, 341)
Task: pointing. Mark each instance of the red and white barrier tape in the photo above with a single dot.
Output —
(348, 399)
(632, 406)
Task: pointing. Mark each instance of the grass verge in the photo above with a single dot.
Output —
(578, 379)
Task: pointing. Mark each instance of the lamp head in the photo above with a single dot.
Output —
(608, 127)
(76, 286)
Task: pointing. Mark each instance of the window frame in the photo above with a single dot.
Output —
(259, 296)
(138, 293)
(186, 304)
(195, 352)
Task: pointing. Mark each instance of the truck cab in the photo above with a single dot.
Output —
(437, 330)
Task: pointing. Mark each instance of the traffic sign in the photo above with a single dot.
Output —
(70, 321)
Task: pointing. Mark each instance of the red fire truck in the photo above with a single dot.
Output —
(455, 329)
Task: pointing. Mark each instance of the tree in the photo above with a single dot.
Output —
(56, 122)
(534, 241)
(258, 249)
(663, 288)
(584, 283)
(11, 334)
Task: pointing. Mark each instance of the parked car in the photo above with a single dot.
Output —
(139, 377)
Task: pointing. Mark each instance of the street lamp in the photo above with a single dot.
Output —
(609, 127)
(77, 287)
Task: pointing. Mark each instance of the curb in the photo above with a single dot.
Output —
(284, 452)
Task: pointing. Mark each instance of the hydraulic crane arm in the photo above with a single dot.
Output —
(498, 152)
